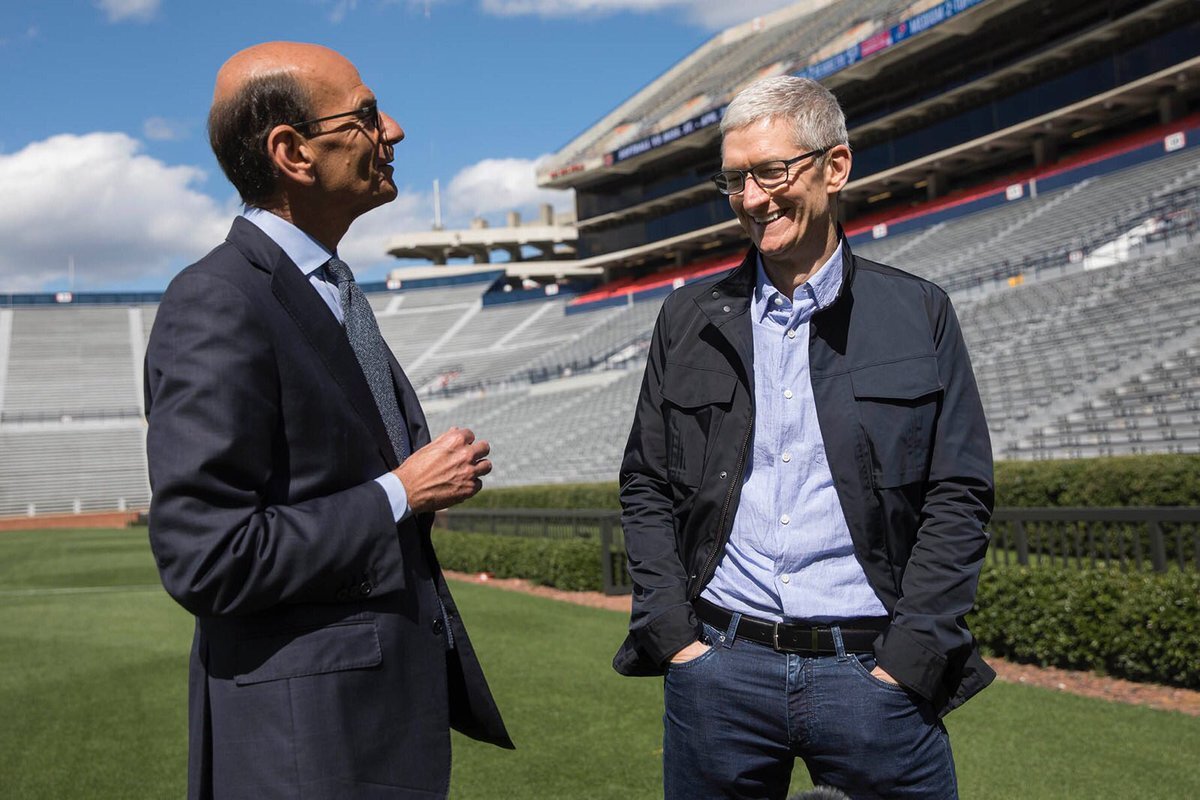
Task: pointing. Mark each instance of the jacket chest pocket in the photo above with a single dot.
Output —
(694, 403)
(897, 406)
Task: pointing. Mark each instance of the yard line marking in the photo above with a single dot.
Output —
(53, 590)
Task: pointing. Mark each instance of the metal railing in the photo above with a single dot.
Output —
(601, 525)
(1137, 539)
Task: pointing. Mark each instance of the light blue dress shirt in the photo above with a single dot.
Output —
(310, 256)
(790, 554)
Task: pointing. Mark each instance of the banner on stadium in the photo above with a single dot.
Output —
(884, 39)
(705, 120)
(822, 69)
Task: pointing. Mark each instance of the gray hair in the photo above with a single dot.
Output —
(816, 118)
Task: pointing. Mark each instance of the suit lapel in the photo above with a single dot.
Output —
(318, 326)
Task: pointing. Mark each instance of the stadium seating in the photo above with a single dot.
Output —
(72, 362)
(1080, 301)
(72, 468)
(1023, 236)
(1090, 359)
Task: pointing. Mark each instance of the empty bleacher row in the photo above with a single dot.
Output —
(571, 430)
(1156, 411)
(72, 362)
(51, 468)
(1043, 346)
(1025, 236)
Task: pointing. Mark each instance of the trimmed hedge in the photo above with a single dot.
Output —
(1139, 626)
(571, 564)
(1149, 480)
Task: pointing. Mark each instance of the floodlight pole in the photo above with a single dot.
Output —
(437, 205)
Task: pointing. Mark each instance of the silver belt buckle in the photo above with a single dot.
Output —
(775, 636)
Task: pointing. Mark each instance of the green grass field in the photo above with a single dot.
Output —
(93, 661)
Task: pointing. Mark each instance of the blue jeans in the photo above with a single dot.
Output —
(738, 716)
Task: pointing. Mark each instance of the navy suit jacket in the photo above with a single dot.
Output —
(319, 666)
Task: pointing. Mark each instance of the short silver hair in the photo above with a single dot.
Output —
(816, 118)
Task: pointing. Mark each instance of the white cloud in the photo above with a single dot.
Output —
(712, 15)
(136, 10)
(129, 219)
(718, 16)
(31, 33)
(161, 129)
(498, 185)
(121, 215)
(340, 9)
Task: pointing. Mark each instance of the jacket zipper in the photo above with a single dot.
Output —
(709, 565)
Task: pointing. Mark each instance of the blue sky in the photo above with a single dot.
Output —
(104, 160)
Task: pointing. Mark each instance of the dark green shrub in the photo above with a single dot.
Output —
(1149, 480)
(570, 564)
(1140, 626)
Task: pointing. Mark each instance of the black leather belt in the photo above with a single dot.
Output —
(858, 635)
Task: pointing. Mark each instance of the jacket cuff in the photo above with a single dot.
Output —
(668, 633)
(911, 663)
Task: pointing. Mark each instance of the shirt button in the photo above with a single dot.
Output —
(785, 579)
(778, 300)
(785, 519)
(786, 457)
(792, 334)
(787, 393)
(722, 474)
(727, 309)
(438, 625)
(716, 294)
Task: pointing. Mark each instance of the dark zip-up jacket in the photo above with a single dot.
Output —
(906, 441)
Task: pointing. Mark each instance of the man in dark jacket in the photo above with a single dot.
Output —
(804, 492)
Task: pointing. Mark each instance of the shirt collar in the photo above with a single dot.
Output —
(823, 286)
(307, 253)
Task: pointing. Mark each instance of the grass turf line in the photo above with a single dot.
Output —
(93, 687)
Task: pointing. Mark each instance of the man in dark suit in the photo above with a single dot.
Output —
(294, 480)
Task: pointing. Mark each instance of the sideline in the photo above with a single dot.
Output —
(51, 591)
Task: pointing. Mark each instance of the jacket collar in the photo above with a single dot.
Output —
(319, 327)
(729, 299)
(740, 283)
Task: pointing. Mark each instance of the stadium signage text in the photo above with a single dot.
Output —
(875, 43)
(881, 41)
(648, 143)
(573, 168)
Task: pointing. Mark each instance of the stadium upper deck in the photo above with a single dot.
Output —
(940, 96)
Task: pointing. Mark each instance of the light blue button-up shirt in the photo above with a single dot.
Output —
(310, 256)
(790, 554)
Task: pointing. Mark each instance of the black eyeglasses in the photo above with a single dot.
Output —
(767, 175)
(368, 115)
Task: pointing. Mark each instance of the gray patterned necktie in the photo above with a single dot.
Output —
(369, 349)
